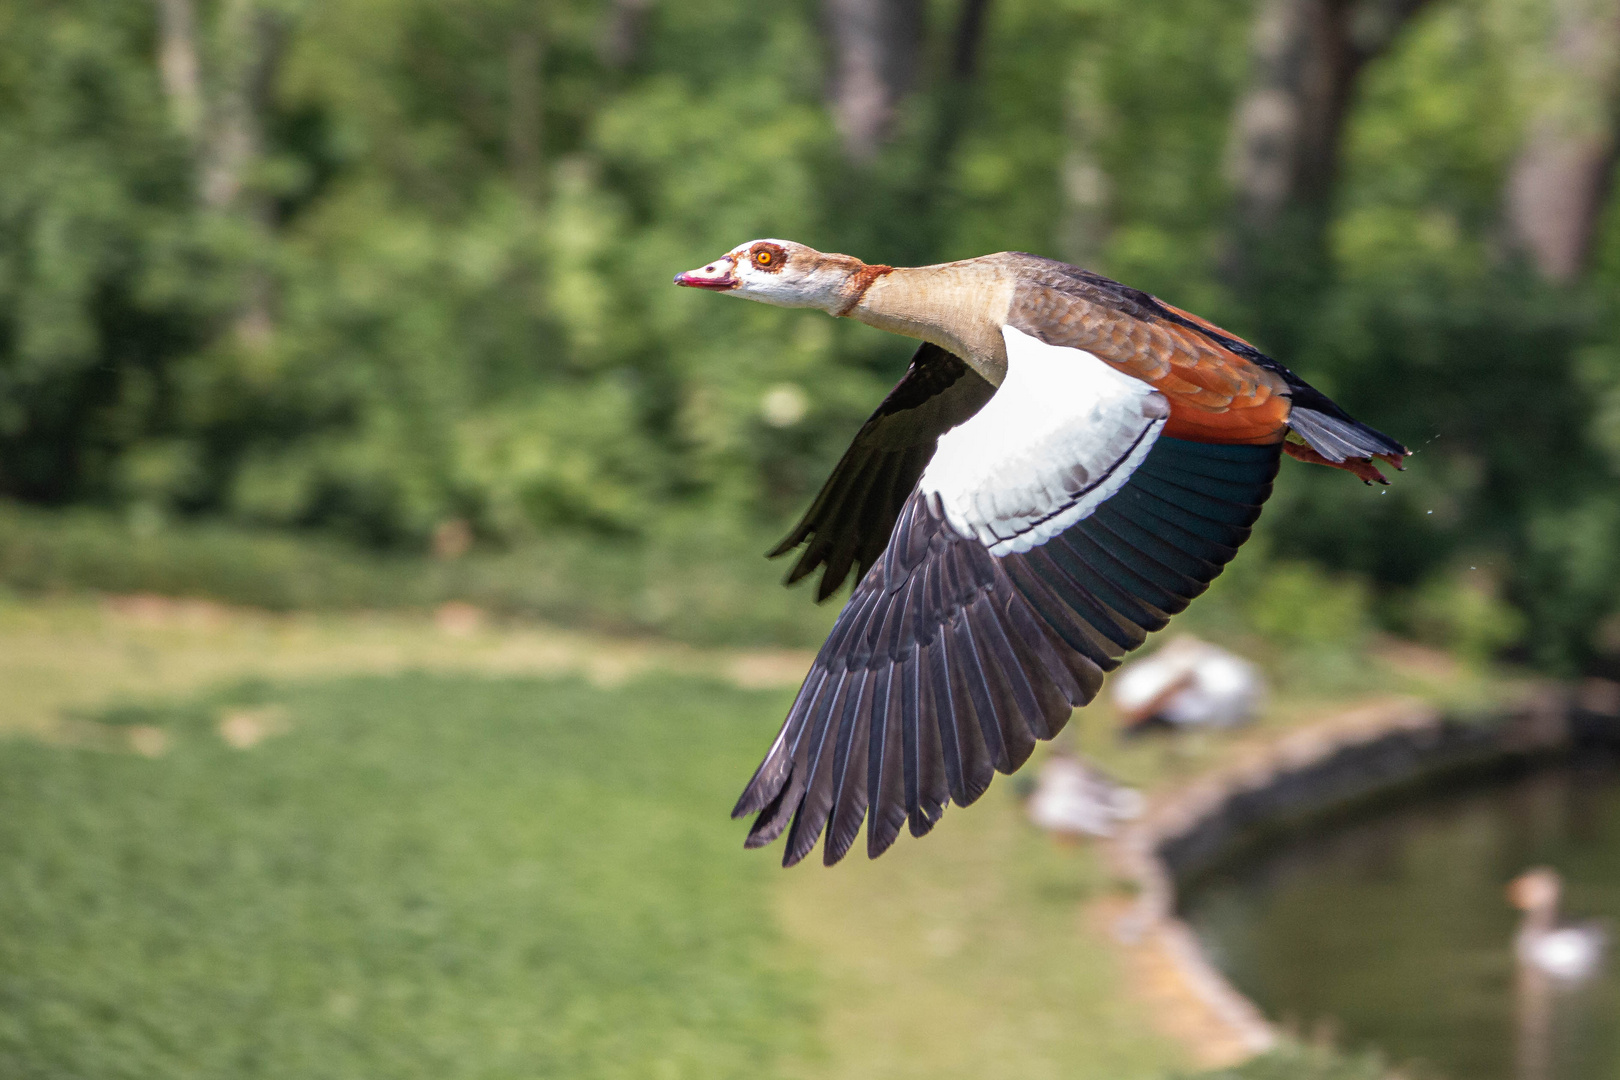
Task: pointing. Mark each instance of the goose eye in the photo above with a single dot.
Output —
(767, 257)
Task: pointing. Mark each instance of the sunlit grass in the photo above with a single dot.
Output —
(422, 876)
(67, 657)
(453, 860)
(976, 952)
(434, 875)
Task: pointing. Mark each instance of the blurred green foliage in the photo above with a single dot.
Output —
(458, 335)
(699, 584)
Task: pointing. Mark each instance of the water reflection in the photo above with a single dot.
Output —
(1394, 932)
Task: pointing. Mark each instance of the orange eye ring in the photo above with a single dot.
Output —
(763, 257)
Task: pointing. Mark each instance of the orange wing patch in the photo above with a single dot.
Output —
(1251, 426)
(1215, 395)
(1218, 396)
(1205, 323)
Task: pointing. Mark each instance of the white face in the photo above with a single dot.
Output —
(776, 272)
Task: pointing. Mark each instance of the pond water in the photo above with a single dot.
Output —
(1393, 931)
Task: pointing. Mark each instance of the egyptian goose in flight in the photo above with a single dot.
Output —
(1066, 463)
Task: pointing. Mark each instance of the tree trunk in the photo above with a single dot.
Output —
(1559, 183)
(621, 43)
(955, 96)
(1284, 157)
(177, 64)
(910, 217)
(875, 44)
(248, 40)
(247, 47)
(1306, 56)
(524, 58)
(968, 39)
(1086, 192)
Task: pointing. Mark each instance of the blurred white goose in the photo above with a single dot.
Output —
(1568, 953)
(1189, 683)
(1073, 799)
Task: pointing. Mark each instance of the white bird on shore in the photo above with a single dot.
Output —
(1189, 683)
(1074, 799)
(1569, 953)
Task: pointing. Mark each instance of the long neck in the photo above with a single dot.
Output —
(1539, 921)
(958, 306)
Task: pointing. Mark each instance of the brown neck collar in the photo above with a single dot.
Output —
(859, 282)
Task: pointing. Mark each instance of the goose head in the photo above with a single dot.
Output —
(1536, 891)
(785, 274)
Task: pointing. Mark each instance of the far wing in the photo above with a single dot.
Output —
(1031, 556)
(850, 521)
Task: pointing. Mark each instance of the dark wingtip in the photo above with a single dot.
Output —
(832, 856)
(878, 842)
(802, 837)
(750, 801)
(803, 568)
(789, 542)
(922, 820)
(826, 587)
(767, 787)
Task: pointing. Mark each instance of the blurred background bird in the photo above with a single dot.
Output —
(1188, 683)
(1073, 799)
(1566, 951)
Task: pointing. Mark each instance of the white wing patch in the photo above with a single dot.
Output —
(1061, 435)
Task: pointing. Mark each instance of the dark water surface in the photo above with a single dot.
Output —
(1393, 931)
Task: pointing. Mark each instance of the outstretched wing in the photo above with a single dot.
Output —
(1049, 535)
(849, 522)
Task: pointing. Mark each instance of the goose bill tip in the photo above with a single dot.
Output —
(716, 277)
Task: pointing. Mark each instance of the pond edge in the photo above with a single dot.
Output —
(1309, 776)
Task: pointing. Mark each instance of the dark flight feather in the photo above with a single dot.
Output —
(849, 521)
(948, 663)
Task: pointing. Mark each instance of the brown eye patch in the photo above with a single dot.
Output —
(768, 257)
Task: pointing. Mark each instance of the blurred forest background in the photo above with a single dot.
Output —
(392, 277)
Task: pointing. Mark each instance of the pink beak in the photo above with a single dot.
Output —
(718, 275)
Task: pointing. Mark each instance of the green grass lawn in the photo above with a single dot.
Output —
(444, 876)
(425, 877)
(495, 871)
